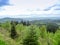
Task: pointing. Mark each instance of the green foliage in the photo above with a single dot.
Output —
(43, 32)
(31, 39)
(29, 35)
(6, 25)
(43, 36)
(26, 23)
(2, 42)
(52, 27)
(13, 31)
(57, 37)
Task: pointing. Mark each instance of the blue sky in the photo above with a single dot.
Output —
(29, 8)
(4, 2)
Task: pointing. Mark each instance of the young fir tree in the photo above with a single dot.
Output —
(44, 40)
(31, 39)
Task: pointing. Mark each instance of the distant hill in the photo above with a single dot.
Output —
(31, 19)
(9, 19)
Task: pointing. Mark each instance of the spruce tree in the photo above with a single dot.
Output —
(31, 39)
(13, 31)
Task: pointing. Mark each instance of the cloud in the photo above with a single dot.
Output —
(57, 4)
(25, 7)
(55, 9)
(36, 9)
(49, 8)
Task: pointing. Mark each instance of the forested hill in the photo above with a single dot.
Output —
(44, 19)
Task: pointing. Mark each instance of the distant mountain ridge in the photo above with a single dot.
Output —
(9, 19)
(28, 19)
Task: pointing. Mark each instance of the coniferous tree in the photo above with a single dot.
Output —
(52, 27)
(31, 39)
(13, 31)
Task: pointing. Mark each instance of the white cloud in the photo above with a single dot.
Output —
(19, 7)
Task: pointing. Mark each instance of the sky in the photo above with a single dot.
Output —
(29, 8)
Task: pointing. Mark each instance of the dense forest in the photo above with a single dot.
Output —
(27, 33)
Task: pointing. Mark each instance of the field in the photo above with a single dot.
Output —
(30, 33)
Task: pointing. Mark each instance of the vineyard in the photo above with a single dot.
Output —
(14, 33)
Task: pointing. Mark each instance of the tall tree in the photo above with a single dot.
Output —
(31, 39)
(13, 31)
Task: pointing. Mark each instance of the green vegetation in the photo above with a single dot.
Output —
(31, 39)
(2, 42)
(15, 33)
